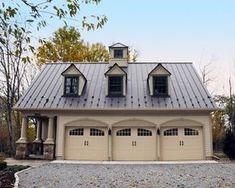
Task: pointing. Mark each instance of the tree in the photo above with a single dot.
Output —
(218, 129)
(14, 43)
(97, 52)
(67, 45)
(229, 144)
(133, 55)
(16, 49)
(41, 12)
(227, 105)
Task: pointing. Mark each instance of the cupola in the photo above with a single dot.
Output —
(118, 54)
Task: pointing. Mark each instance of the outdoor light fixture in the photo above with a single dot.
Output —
(158, 131)
(110, 132)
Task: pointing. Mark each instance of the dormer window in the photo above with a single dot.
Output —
(116, 81)
(115, 86)
(74, 82)
(71, 86)
(158, 81)
(160, 85)
(118, 53)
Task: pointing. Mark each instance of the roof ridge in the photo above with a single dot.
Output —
(128, 63)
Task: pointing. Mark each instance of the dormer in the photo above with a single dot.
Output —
(118, 54)
(158, 81)
(73, 82)
(116, 81)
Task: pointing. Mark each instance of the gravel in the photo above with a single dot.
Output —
(170, 175)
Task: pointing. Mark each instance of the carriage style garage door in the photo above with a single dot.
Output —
(182, 144)
(134, 144)
(86, 144)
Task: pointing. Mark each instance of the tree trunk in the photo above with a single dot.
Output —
(9, 128)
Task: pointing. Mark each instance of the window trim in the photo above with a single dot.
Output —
(71, 95)
(167, 86)
(193, 131)
(96, 132)
(144, 132)
(122, 85)
(78, 131)
(124, 130)
(118, 57)
(171, 131)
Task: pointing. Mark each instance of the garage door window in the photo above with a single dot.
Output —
(96, 132)
(190, 132)
(171, 132)
(144, 132)
(76, 132)
(124, 132)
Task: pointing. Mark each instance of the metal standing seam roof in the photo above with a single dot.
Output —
(185, 88)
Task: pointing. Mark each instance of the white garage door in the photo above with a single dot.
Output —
(134, 144)
(86, 144)
(182, 144)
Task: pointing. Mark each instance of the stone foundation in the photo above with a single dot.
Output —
(48, 151)
(21, 151)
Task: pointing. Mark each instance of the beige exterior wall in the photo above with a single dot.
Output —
(94, 120)
(122, 62)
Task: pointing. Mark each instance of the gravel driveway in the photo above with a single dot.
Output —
(121, 176)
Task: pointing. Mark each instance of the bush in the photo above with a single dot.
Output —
(2, 158)
(15, 168)
(229, 144)
(3, 165)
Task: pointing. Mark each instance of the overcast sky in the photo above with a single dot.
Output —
(198, 31)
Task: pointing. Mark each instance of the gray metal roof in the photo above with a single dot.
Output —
(186, 89)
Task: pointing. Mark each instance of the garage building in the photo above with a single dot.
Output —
(118, 111)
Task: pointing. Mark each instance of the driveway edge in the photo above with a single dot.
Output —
(133, 162)
(17, 179)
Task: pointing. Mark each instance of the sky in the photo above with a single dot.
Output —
(198, 31)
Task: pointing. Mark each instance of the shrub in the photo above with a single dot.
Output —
(15, 168)
(229, 144)
(2, 158)
(3, 165)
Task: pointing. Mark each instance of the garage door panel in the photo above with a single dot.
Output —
(182, 143)
(131, 146)
(86, 147)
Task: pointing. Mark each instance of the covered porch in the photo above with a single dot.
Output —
(43, 146)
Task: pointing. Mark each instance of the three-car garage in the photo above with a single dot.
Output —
(134, 143)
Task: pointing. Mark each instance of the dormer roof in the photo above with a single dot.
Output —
(160, 70)
(115, 69)
(118, 45)
(71, 70)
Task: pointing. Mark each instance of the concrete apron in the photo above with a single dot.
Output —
(133, 162)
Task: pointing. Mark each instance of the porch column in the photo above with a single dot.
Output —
(38, 138)
(44, 130)
(23, 133)
(22, 143)
(49, 144)
(50, 133)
